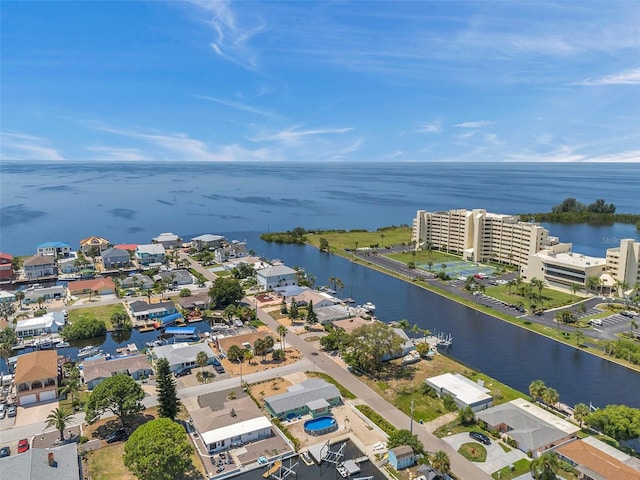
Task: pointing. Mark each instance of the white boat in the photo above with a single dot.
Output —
(411, 357)
(369, 307)
(88, 351)
(62, 344)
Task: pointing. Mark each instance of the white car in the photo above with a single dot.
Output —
(3, 410)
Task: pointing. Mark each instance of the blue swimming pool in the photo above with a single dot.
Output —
(320, 425)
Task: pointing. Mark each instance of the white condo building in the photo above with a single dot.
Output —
(480, 236)
(623, 262)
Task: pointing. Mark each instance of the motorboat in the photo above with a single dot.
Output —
(369, 307)
(88, 351)
(62, 344)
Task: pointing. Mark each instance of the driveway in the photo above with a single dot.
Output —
(497, 458)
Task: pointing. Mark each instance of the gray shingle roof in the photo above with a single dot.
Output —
(300, 395)
(34, 464)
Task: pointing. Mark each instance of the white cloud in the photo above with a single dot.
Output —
(119, 154)
(632, 156)
(628, 77)
(432, 127)
(238, 106)
(294, 134)
(477, 124)
(21, 146)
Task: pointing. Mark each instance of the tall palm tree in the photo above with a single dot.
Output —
(72, 383)
(59, 418)
(404, 324)
(632, 326)
(440, 461)
(536, 389)
(282, 331)
(580, 412)
(579, 337)
(545, 466)
(415, 330)
(551, 397)
(201, 359)
(20, 297)
(575, 288)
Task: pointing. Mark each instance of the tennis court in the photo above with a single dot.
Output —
(459, 268)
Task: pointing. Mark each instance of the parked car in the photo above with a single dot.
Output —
(220, 469)
(12, 410)
(23, 445)
(3, 410)
(480, 437)
(182, 371)
(116, 436)
(5, 452)
(219, 369)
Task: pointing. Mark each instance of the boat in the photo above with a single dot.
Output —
(369, 307)
(411, 357)
(44, 344)
(62, 344)
(88, 351)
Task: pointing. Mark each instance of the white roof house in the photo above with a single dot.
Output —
(182, 354)
(276, 276)
(168, 240)
(51, 322)
(465, 392)
(151, 249)
(260, 426)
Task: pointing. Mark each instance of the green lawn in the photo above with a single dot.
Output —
(474, 452)
(423, 258)
(103, 312)
(552, 298)
(520, 468)
(339, 240)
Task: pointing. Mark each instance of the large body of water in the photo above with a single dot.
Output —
(133, 203)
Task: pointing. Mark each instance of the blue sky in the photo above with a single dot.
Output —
(320, 82)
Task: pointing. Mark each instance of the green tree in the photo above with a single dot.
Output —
(550, 397)
(72, 383)
(404, 437)
(324, 245)
(121, 321)
(159, 450)
(84, 328)
(235, 354)
(581, 412)
(575, 288)
(20, 297)
(120, 395)
(312, 317)
(618, 421)
(536, 389)
(466, 416)
(185, 292)
(6, 310)
(293, 310)
(545, 466)
(260, 348)
(229, 312)
(283, 306)
(538, 284)
(201, 359)
(579, 337)
(59, 419)
(440, 460)
(404, 324)
(277, 355)
(282, 332)
(8, 339)
(168, 402)
(369, 345)
(225, 291)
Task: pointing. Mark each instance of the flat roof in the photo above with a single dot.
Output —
(235, 430)
(548, 417)
(467, 391)
(574, 259)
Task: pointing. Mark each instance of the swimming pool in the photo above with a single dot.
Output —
(320, 425)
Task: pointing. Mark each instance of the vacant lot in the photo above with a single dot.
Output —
(103, 312)
(339, 240)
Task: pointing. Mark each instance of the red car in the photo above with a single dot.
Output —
(23, 445)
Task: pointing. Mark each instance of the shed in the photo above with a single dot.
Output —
(402, 457)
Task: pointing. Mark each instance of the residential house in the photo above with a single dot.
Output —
(94, 245)
(596, 460)
(96, 286)
(54, 249)
(52, 322)
(406, 347)
(234, 250)
(276, 276)
(465, 392)
(150, 254)
(199, 301)
(129, 247)
(35, 292)
(350, 324)
(306, 295)
(207, 241)
(138, 280)
(223, 423)
(333, 313)
(7, 297)
(176, 277)
(39, 266)
(115, 258)
(534, 429)
(74, 264)
(36, 377)
(141, 310)
(61, 463)
(6, 267)
(427, 472)
(167, 240)
(99, 369)
(313, 396)
(183, 354)
(402, 457)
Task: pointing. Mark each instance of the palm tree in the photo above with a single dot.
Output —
(575, 288)
(538, 283)
(248, 355)
(382, 239)
(581, 412)
(593, 283)
(72, 383)
(632, 326)
(510, 285)
(6, 310)
(579, 337)
(59, 418)
(550, 397)
(545, 466)
(536, 389)
(415, 330)
(282, 331)
(201, 359)
(404, 324)
(20, 297)
(339, 285)
(440, 461)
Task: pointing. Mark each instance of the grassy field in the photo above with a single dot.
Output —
(473, 452)
(100, 312)
(339, 240)
(552, 298)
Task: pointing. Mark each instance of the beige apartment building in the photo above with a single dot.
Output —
(623, 262)
(481, 236)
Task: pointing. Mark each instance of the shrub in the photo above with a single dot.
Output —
(376, 418)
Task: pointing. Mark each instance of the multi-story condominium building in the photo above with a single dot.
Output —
(623, 262)
(480, 236)
(560, 269)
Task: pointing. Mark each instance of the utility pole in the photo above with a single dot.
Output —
(411, 425)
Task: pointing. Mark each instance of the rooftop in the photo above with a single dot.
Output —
(467, 391)
(37, 366)
(574, 259)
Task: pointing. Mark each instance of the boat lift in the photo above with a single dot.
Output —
(333, 456)
(280, 471)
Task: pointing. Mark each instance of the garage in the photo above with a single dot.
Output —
(50, 395)
(28, 399)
